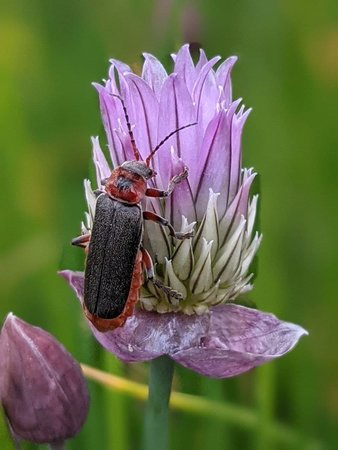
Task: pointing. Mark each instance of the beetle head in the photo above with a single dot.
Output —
(140, 168)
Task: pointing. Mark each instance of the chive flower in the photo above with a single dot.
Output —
(205, 330)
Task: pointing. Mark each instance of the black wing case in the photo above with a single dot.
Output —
(114, 243)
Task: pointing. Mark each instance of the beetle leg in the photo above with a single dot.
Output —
(148, 264)
(153, 192)
(149, 215)
(81, 241)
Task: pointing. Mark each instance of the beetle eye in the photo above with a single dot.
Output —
(151, 173)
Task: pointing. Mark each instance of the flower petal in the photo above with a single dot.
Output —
(223, 80)
(239, 339)
(91, 203)
(201, 61)
(153, 73)
(111, 112)
(176, 110)
(225, 342)
(184, 66)
(214, 163)
(119, 65)
(201, 279)
(205, 94)
(236, 152)
(145, 113)
(180, 203)
(172, 280)
(208, 228)
(183, 258)
(239, 207)
(229, 255)
(101, 166)
(75, 281)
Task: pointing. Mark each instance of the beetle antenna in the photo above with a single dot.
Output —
(130, 131)
(152, 153)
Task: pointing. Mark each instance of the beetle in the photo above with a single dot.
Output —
(115, 254)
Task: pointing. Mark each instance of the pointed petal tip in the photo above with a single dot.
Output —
(147, 55)
(63, 273)
(300, 330)
(68, 274)
(97, 86)
(10, 317)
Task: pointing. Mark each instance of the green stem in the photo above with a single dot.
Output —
(157, 411)
(235, 415)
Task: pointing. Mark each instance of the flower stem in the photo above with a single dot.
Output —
(156, 413)
(236, 415)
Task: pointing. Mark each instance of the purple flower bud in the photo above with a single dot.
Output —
(42, 389)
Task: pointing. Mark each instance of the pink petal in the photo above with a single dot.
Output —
(176, 110)
(111, 112)
(237, 208)
(180, 202)
(227, 341)
(101, 166)
(205, 94)
(153, 73)
(236, 152)
(147, 335)
(223, 74)
(119, 65)
(75, 281)
(202, 61)
(184, 66)
(213, 162)
(145, 113)
(238, 340)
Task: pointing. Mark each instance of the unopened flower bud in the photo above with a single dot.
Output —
(42, 388)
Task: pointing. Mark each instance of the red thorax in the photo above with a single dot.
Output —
(126, 186)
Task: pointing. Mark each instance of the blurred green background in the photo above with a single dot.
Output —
(288, 72)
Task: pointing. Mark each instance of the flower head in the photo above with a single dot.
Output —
(42, 389)
(214, 266)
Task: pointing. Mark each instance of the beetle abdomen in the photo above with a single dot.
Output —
(113, 248)
(134, 293)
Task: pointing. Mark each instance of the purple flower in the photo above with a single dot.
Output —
(42, 388)
(214, 266)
